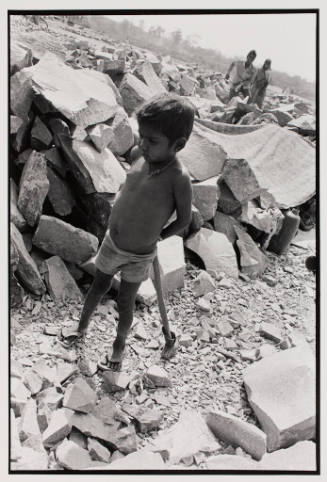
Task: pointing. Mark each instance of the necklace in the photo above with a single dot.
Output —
(160, 170)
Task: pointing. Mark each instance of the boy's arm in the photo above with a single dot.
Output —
(183, 200)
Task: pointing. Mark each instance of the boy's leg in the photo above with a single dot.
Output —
(126, 302)
(101, 284)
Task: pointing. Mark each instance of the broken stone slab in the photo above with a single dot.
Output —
(16, 216)
(267, 220)
(187, 85)
(50, 397)
(224, 327)
(115, 381)
(60, 238)
(81, 98)
(44, 415)
(123, 440)
(146, 73)
(283, 401)
(29, 430)
(140, 331)
(15, 445)
(72, 457)
(15, 124)
(225, 224)
(139, 460)
(133, 92)
(61, 285)
(282, 116)
(21, 95)
(123, 138)
(305, 124)
(94, 171)
(185, 340)
(237, 432)
(59, 427)
(101, 77)
(158, 376)
(59, 194)
(78, 437)
(227, 203)
(271, 332)
(19, 395)
(31, 460)
(106, 409)
(203, 155)
(146, 419)
(41, 137)
(20, 57)
(185, 438)
(101, 135)
(33, 188)
(56, 161)
(231, 462)
(97, 451)
(252, 259)
(215, 250)
(64, 371)
(241, 180)
(27, 271)
(79, 396)
(33, 381)
(300, 457)
(205, 197)
(203, 284)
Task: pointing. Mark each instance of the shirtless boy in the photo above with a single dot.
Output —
(156, 185)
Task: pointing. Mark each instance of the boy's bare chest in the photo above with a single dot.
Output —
(158, 185)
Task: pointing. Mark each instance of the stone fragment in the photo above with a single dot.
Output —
(31, 460)
(185, 438)
(60, 238)
(79, 396)
(78, 438)
(72, 457)
(237, 432)
(158, 376)
(253, 261)
(271, 332)
(59, 194)
(185, 340)
(21, 95)
(205, 197)
(44, 415)
(300, 457)
(61, 285)
(41, 137)
(106, 409)
(203, 284)
(225, 224)
(230, 462)
(140, 332)
(187, 85)
(19, 395)
(203, 304)
(133, 92)
(146, 73)
(59, 427)
(33, 188)
(284, 401)
(249, 355)
(16, 369)
(146, 419)
(15, 445)
(27, 271)
(215, 250)
(29, 430)
(20, 57)
(115, 381)
(282, 116)
(266, 350)
(16, 216)
(123, 138)
(33, 382)
(224, 327)
(203, 156)
(65, 370)
(80, 97)
(97, 451)
(94, 171)
(305, 124)
(101, 135)
(56, 161)
(270, 280)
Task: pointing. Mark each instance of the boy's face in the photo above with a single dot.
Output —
(154, 145)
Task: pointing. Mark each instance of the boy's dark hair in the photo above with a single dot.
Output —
(171, 114)
(252, 52)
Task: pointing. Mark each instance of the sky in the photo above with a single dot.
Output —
(289, 40)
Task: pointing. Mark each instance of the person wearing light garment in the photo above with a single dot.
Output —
(260, 84)
(241, 75)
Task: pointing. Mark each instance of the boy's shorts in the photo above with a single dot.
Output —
(133, 267)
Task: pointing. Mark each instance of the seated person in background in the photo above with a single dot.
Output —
(242, 75)
(260, 83)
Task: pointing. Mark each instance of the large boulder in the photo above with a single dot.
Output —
(33, 188)
(59, 238)
(281, 391)
(75, 94)
(215, 250)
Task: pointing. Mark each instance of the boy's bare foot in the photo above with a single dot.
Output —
(69, 336)
(113, 362)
